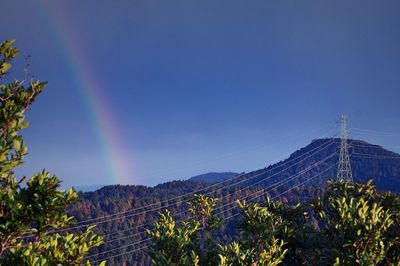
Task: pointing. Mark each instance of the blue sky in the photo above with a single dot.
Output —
(199, 86)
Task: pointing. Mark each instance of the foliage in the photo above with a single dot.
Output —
(31, 211)
(183, 245)
(352, 224)
(201, 207)
(235, 254)
(259, 245)
(204, 244)
(172, 244)
(178, 246)
(361, 228)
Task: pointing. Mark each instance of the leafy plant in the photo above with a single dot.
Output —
(32, 211)
(359, 227)
(172, 245)
(259, 228)
(351, 224)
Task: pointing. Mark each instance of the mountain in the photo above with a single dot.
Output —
(88, 188)
(212, 177)
(368, 161)
(301, 177)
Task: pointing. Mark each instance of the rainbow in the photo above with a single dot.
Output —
(102, 118)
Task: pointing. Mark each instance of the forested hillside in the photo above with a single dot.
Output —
(301, 177)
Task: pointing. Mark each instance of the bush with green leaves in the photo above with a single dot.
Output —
(263, 231)
(185, 245)
(359, 225)
(172, 245)
(204, 244)
(190, 243)
(32, 211)
(352, 224)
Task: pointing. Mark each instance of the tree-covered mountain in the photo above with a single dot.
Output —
(212, 177)
(300, 177)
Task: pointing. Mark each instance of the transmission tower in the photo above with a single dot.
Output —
(344, 167)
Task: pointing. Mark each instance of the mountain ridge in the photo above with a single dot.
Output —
(212, 177)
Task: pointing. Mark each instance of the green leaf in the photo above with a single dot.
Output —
(17, 144)
(103, 263)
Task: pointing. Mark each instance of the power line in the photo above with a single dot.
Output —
(109, 218)
(164, 201)
(286, 191)
(246, 187)
(375, 132)
(344, 160)
(368, 156)
(288, 179)
(114, 249)
(372, 146)
(319, 148)
(273, 142)
(305, 181)
(227, 218)
(122, 254)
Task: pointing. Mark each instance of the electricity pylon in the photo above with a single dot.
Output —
(344, 167)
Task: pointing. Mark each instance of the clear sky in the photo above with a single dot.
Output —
(142, 92)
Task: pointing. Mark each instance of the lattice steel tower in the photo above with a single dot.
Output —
(344, 167)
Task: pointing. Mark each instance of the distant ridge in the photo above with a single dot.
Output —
(88, 188)
(212, 177)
